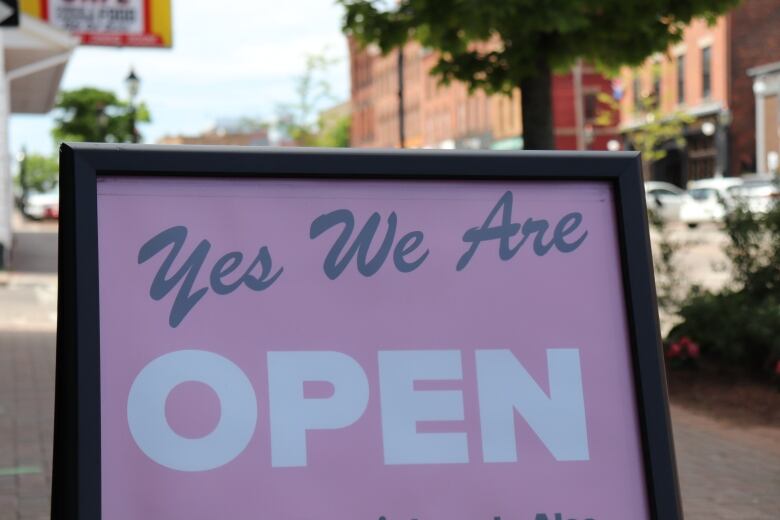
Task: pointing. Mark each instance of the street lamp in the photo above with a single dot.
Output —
(133, 84)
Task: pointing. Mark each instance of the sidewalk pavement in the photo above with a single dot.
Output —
(26, 423)
(726, 472)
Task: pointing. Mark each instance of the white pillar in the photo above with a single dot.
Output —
(6, 191)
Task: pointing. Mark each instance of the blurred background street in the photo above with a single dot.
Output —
(694, 86)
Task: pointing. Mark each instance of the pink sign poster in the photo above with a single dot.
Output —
(364, 349)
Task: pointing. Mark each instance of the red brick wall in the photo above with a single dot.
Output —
(755, 40)
(564, 115)
(363, 129)
(435, 114)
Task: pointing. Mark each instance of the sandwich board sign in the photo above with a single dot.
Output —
(300, 334)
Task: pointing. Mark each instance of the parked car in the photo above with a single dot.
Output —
(759, 193)
(664, 199)
(43, 205)
(709, 200)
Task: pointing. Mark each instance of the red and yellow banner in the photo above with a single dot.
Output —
(116, 23)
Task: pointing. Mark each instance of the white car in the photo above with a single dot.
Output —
(664, 199)
(709, 200)
(43, 205)
(759, 193)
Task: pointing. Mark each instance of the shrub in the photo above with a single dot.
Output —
(738, 327)
(733, 329)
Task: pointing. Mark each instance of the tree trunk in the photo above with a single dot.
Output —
(536, 96)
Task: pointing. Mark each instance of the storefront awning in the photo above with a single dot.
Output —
(35, 57)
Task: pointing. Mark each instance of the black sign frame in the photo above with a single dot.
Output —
(76, 480)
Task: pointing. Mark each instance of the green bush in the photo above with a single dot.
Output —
(739, 327)
(733, 329)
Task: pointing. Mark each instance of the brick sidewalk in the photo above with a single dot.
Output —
(26, 417)
(725, 472)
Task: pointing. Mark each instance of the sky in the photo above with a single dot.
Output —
(230, 59)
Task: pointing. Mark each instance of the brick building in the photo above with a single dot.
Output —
(437, 116)
(755, 53)
(766, 87)
(706, 76)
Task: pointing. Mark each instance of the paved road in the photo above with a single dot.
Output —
(726, 471)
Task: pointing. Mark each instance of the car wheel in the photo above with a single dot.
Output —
(692, 225)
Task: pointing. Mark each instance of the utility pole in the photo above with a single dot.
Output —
(401, 133)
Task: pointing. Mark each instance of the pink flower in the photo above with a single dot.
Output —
(693, 350)
(674, 350)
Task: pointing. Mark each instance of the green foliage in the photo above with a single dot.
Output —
(658, 128)
(735, 330)
(38, 173)
(739, 327)
(298, 120)
(336, 134)
(754, 250)
(94, 115)
(670, 287)
(524, 39)
(610, 33)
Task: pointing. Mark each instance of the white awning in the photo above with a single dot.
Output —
(35, 57)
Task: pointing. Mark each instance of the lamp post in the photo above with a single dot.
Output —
(133, 84)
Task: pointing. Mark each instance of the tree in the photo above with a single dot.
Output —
(334, 134)
(37, 173)
(298, 120)
(94, 115)
(496, 45)
(659, 127)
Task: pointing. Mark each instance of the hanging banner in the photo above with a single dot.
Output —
(298, 334)
(117, 23)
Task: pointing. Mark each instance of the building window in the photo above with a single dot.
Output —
(681, 79)
(591, 105)
(706, 72)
